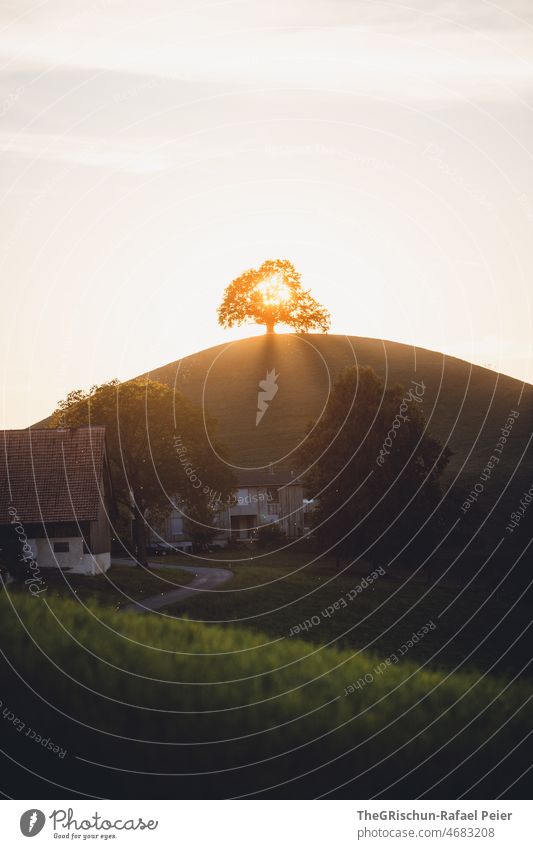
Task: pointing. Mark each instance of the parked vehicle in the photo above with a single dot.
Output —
(159, 549)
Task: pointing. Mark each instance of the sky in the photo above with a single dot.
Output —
(152, 150)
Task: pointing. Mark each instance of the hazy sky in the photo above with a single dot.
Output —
(154, 149)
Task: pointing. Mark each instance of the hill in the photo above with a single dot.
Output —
(466, 406)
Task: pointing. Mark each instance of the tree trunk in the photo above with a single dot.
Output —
(270, 327)
(139, 535)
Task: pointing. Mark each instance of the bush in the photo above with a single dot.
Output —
(270, 536)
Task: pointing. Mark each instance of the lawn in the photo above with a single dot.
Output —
(147, 707)
(276, 593)
(117, 587)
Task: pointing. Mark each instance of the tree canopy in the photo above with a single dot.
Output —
(272, 294)
(372, 467)
(159, 453)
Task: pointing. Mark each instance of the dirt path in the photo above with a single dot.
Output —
(206, 579)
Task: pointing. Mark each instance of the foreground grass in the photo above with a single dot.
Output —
(274, 593)
(147, 706)
(117, 587)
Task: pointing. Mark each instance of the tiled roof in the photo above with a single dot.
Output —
(51, 475)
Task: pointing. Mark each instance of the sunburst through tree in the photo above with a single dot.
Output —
(272, 294)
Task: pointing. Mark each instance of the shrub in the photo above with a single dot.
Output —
(270, 536)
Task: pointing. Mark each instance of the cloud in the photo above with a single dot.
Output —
(140, 156)
(438, 51)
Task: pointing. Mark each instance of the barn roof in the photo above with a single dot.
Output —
(51, 475)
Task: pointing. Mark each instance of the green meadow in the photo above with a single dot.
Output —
(477, 628)
(152, 706)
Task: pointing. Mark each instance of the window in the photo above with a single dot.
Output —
(175, 526)
(61, 547)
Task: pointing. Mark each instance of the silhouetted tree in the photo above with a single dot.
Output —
(270, 295)
(159, 454)
(371, 466)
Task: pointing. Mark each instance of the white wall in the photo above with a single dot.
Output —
(74, 559)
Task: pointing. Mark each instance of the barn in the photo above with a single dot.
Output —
(56, 498)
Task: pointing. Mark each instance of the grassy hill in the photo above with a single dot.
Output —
(465, 405)
(145, 707)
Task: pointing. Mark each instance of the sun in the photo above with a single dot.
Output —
(274, 292)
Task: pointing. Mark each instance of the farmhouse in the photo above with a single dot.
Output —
(263, 497)
(56, 496)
